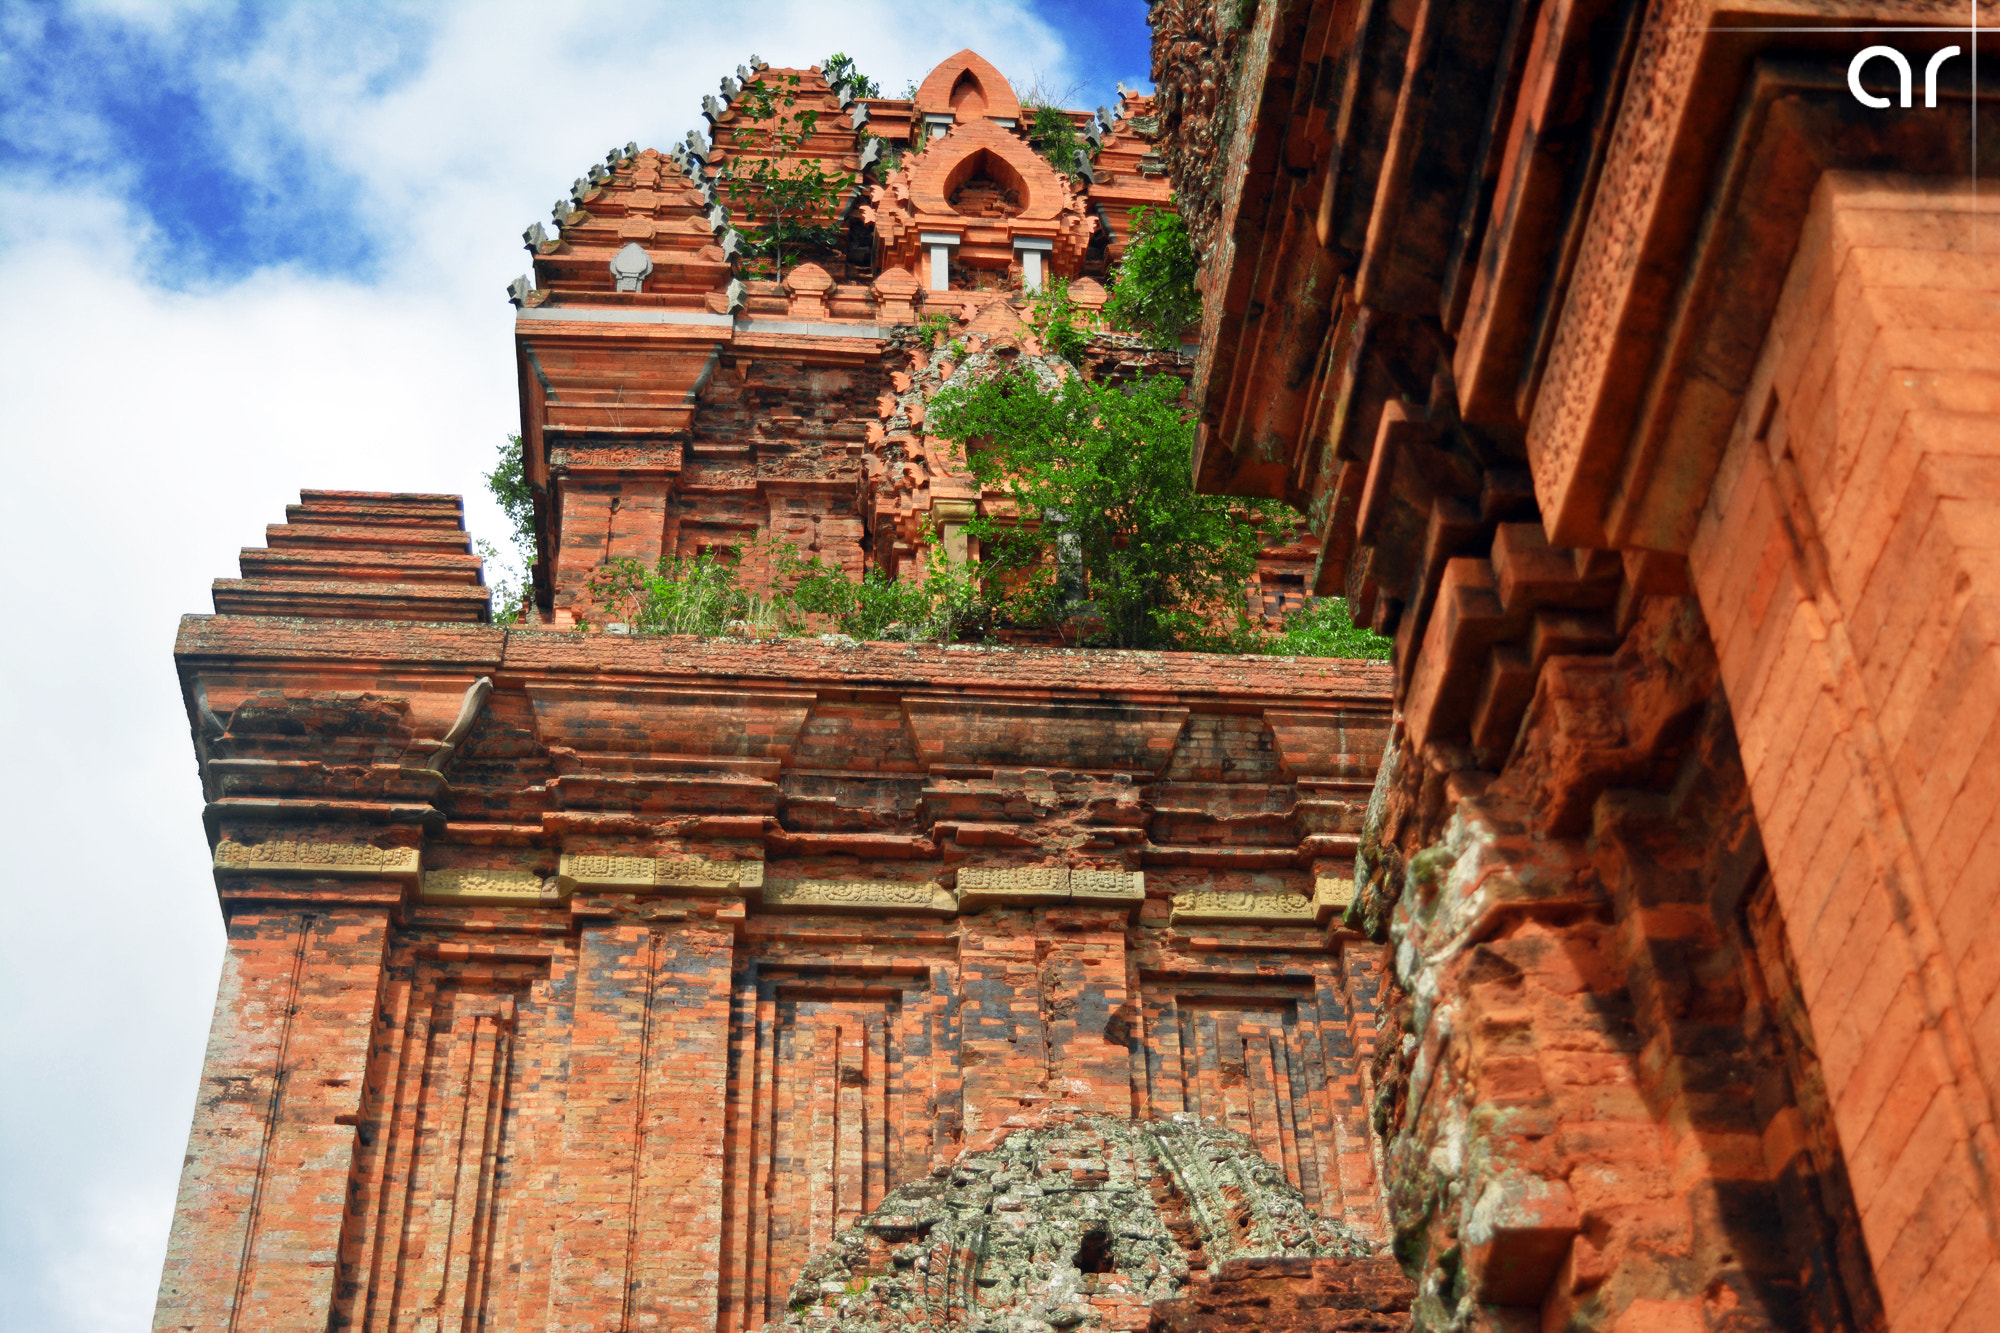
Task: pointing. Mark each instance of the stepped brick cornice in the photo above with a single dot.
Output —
(362, 556)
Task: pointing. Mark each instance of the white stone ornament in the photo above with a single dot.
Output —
(630, 267)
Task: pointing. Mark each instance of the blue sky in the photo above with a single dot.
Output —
(252, 247)
(163, 108)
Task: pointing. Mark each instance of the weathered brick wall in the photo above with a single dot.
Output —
(1845, 561)
(1660, 445)
(687, 953)
(258, 1225)
(1606, 1110)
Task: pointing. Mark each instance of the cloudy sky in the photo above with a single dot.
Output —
(249, 248)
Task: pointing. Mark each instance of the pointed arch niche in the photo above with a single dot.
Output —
(967, 88)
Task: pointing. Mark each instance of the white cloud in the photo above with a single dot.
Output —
(148, 433)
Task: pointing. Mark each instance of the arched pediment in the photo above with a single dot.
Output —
(983, 148)
(970, 88)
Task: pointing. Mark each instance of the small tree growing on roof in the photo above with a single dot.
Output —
(1153, 291)
(790, 198)
(1112, 543)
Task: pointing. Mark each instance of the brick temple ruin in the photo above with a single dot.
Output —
(1618, 957)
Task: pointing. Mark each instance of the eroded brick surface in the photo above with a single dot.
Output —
(1619, 385)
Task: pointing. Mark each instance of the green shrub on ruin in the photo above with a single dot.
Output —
(1152, 290)
(1325, 628)
(1112, 545)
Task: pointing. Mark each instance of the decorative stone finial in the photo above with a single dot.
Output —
(518, 289)
(630, 267)
(561, 210)
(631, 148)
(697, 145)
(1105, 118)
(860, 114)
(896, 294)
(732, 244)
(712, 108)
(733, 293)
(578, 188)
(871, 153)
(535, 237)
(597, 174)
(1083, 167)
(718, 219)
(730, 88)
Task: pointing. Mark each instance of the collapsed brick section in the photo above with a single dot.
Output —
(1292, 1295)
(1072, 1221)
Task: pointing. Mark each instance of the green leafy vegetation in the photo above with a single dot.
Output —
(840, 71)
(508, 485)
(1112, 545)
(707, 594)
(1054, 136)
(1055, 320)
(1153, 292)
(697, 594)
(1325, 628)
(789, 199)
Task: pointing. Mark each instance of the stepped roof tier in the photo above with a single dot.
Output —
(683, 389)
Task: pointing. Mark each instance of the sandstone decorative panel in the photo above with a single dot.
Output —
(1331, 897)
(638, 874)
(488, 886)
(1221, 905)
(985, 886)
(882, 896)
(342, 860)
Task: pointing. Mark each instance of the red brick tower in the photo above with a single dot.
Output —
(583, 981)
(1634, 366)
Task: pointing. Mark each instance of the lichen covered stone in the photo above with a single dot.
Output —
(1081, 1222)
